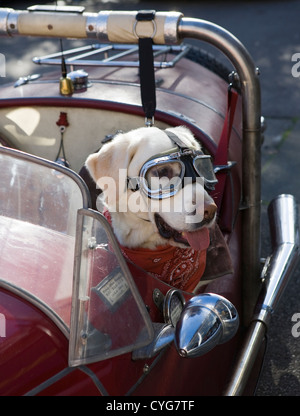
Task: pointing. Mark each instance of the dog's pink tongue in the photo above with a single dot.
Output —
(198, 240)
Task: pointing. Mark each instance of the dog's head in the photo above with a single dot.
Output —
(141, 175)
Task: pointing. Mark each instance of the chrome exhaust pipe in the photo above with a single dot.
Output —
(283, 219)
(278, 268)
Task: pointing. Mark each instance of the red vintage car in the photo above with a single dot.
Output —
(76, 317)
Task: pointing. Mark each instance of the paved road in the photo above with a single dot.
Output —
(271, 32)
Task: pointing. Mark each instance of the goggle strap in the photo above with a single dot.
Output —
(175, 139)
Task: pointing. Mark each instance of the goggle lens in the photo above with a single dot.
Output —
(164, 177)
(204, 168)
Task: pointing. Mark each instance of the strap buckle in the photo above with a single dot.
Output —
(149, 121)
(145, 16)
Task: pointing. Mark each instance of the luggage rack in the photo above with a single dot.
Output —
(113, 55)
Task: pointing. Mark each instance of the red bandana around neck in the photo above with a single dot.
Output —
(179, 267)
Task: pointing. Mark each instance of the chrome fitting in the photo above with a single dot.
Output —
(4, 14)
(96, 26)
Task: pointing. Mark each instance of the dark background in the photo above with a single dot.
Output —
(270, 30)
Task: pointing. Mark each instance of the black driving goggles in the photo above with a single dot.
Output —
(165, 174)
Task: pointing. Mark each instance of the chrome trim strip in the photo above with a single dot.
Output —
(95, 379)
(146, 372)
(65, 372)
(58, 376)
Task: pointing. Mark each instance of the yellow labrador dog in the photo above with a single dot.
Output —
(155, 195)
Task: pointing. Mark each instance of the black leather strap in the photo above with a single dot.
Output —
(145, 15)
(147, 76)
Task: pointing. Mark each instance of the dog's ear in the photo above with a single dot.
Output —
(112, 156)
(98, 164)
(105, 167)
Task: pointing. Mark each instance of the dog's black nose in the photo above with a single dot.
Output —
(210, 211)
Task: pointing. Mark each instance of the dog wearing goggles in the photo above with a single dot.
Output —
(155, 187)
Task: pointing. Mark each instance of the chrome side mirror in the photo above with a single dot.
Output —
(206, 321)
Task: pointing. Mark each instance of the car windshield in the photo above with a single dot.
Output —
(39, 201)
(50, 240)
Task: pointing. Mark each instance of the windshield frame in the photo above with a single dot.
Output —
(86, 203)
